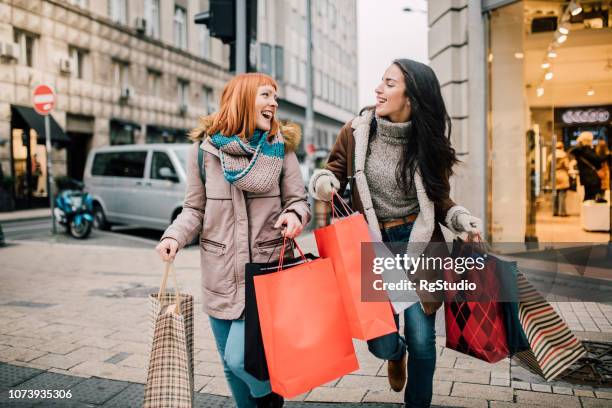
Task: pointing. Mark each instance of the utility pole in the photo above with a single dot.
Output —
(241, 36)
(309, 128)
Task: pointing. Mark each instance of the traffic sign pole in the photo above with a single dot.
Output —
(43, 100)
(49, 174)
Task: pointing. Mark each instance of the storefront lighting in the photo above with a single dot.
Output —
(561, 38)
(540, 91)
(552, 53)
(519, 55)
(545, 65)
(549, 75)
(564, 29)
(575, 8)
(591, 91)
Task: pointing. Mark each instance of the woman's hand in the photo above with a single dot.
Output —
(470, 224)
(325, 186)
(167, 249)
(293, 225)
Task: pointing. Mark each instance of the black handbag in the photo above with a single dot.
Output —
(254, 355)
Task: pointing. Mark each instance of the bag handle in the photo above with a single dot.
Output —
(162, 288)
(336, 210)
(281, 259)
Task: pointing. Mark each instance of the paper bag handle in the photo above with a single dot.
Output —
(169, 266)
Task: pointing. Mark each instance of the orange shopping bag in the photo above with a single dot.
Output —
(304, 329)
(341, 242)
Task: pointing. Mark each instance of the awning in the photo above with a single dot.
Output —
(29, 118)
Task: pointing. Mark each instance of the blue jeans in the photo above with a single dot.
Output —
(420, 340)
(229, 336)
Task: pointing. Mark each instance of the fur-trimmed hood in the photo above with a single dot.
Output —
(291, 132)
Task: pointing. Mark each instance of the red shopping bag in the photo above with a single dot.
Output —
(341, 242)
(476, 328)
(306, 336)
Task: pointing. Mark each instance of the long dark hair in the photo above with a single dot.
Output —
(429, 146)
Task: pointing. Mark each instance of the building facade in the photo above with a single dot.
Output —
(519, 77)
(123, 71)
(281, 52)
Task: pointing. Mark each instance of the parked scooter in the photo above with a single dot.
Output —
(74, 208)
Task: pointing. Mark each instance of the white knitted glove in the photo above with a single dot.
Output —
(468, 223)
(325, 186)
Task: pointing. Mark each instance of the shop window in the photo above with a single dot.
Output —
(279, 63)
(122, 133)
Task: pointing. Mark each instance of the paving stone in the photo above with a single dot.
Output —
(217, 386)
(584, 393)
(488, 392)
(548, 400)
(468, 376)
(11, 375)
(603, 394)
(57, 347)
(58, 361)
(86, 353)
(131, 396)
(504, 404)
(541, 388)
(200, 381)
(384, 396)
(336, 394)
(364, 382)
(520, 385)
(562, 390)
(20, 354)
(595, 403)
(97, 390)
(459, 402)
(209, 369)
(500, 382)
(119, 357)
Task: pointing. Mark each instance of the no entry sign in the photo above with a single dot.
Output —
(43, 99)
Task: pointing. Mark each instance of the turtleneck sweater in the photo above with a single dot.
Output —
(385, 149)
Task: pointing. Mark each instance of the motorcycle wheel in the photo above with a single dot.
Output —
(80, 231)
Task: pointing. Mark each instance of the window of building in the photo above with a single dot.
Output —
(183, 92)
(302, 80)
(27, 47)
(180, 27)
(121, 72)
(317, 83)
(279, 63)
(204, 41)
(158, 162)
(208, 100)
(117, 11)
(152, 17)
(154, 82)
(293, 69)
(266, 58)
(80, 3)
(79, 58)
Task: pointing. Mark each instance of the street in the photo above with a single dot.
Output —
(79, 310)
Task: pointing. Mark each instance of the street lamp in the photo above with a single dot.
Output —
(411, 10)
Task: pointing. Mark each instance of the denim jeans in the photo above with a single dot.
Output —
(229, 336)
(419, 338)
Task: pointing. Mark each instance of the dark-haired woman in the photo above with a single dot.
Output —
(398, 158)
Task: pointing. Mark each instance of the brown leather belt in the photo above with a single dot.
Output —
(397, 221)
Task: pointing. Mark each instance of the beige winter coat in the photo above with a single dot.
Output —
(235, 227)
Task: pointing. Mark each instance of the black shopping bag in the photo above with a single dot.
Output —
(254, 354)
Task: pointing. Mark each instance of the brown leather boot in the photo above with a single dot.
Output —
(397, 374)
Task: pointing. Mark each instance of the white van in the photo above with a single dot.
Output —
(141, 184)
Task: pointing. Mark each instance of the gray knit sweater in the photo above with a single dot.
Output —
(390, 201)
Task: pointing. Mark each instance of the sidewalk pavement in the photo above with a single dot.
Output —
(25, 215)
(82, 311)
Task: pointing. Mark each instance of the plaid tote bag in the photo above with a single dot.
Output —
(170, 373)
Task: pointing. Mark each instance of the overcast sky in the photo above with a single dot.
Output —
(386, 32)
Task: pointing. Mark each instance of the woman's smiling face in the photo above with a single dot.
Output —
(391, 99)
(265, 106)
